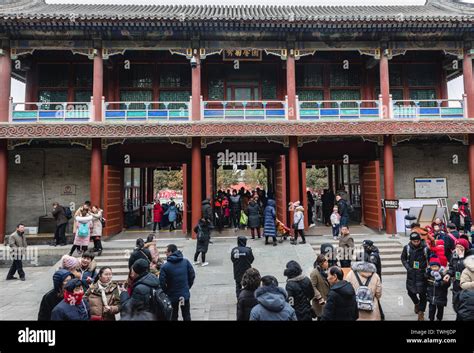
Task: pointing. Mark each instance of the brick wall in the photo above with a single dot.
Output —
(62, 166)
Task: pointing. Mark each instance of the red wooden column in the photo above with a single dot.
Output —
(184, 226)
(196, 90)
(3, 187)
(208, 177)
(293, 169)
(98, 85)
(389, 184)
(384, 85)
(196, 172)
(468, 83)
(304, 195)
(5, 85)
(291, 87)
(96, 172)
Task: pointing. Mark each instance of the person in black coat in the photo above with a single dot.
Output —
(73, 307)
(341, 304)
(300, 291)
(415, 260)
(372, 255)
(253, 213)
(436, 289)
(246, 301)
(140, 252)
(465, 306)
(456, 266)
(242, 258)
(139, 302)
(343, 210)
(206, 210)
(54, 296)
(203, 231)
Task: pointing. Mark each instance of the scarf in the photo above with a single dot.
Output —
(102, 288)
(73, 298)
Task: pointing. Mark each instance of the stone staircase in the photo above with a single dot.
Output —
(117, 259)
(390, 252)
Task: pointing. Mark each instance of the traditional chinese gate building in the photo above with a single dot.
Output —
(112, 87)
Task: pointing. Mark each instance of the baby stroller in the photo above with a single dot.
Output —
(282, 231)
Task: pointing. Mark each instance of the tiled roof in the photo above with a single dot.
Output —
(433, 11)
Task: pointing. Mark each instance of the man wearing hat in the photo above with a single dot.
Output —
(144, 283)
(73, 307)
(60, 278)
(415, 260)
(372, 255)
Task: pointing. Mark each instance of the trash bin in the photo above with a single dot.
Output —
(47, 224)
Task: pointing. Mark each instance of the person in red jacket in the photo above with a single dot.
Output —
(157, 215)
(438, 250)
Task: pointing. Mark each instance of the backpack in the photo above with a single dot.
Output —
(364, 296)
(160, 305)
(67, 212)
(83, 230)
(350, 208)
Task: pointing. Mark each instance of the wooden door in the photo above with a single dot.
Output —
(280, 188)
(113, 199)
(371, 195)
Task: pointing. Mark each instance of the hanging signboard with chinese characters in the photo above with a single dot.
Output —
(242, 55)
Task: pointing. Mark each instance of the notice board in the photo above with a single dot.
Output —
(431, 187)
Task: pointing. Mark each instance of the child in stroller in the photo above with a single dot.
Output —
(282, 231)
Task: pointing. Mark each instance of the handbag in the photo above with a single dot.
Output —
(102, 221)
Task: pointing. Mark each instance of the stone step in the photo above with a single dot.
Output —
(385, 256)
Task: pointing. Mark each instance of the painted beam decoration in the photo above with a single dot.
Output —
(242, 54)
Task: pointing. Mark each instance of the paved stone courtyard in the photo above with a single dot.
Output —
(213, 295)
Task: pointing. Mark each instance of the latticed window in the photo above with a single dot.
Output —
(345, 95)
(83, 75)
(269, 82)
(82, 96)
(421, 94)
(309, 75)
(52, 96)
(216, 82)
(175, 76)
(175, 96)
(53, 75)
(138, 76)
(309, 95)
(421, 75)
(344, 77)
(135, 96)
(395, 74)
(397, 94)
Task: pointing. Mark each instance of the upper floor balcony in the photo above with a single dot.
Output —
(156, 112)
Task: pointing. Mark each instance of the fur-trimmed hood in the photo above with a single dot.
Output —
(271, 297)
(469, 263)
(362, 267)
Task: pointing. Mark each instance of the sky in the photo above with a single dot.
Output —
(455, 87)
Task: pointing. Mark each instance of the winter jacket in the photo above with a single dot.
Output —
(143, 253)
(465, 305)
(241, 257)
(321, 289)
(245, 304)
(17, 243)
(467, 275)
(235, 203)
(335, 218)
(455, 218)
(342, 208)
(203, 236)
(416, 281)
(172, 213)
(272, 305)
(341, 304)
(373, 256)
(436, 290)
(253, 213)
(67, 312)
(365, 270)
(346, 243)
(157, 212)
(177, 277)
(448, 244)
(48, 303)
(59, 215)
(112, 294)
(90, 271)
(298, 218)
(139, 300)
(300, 292)
(438, 250)
(207, 210)
(269, 227)
(155, 255)
(97, 224)
(456, 267)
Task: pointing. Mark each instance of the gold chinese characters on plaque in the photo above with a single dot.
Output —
(242, 54)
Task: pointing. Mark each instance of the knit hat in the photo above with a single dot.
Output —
(463, 242)
(293, 269)
(367, 243)
(415, 236)
(58, 278)
(69, 262)
(464, 199)
(73, 283)
(455, 206)
(141, 266)
(434, 261)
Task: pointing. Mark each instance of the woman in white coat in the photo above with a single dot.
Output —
(298, 225)
(83, 232)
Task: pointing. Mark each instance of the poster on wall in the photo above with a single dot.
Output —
(431, 187)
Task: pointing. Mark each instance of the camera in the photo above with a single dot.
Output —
(193, 62)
